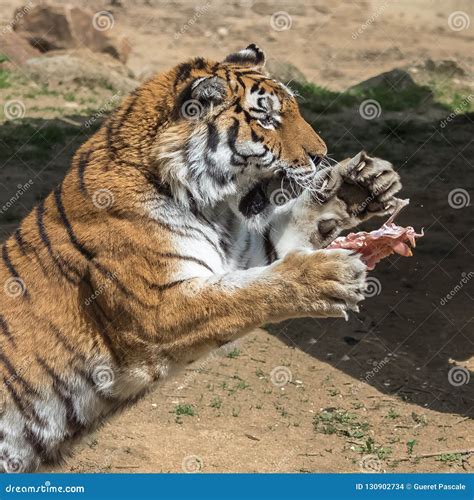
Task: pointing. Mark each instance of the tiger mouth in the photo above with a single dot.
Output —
(284, 186)
(276, 191)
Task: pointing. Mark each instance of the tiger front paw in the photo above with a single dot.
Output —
(369, 186)
(324, 283)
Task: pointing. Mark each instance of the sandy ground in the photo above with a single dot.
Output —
(373, 393)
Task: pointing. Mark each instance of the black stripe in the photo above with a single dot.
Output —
(114, 140)
(179, 230)
(65, 342)
(185, 257)
(14, 375)
(90, 256)
(62, 213)
(20, 241)
(63, 266)
(35, 442)
(11, 268)
(40, 209)
(270, 250)
(245, 251)
(199, 63)
(81, 168)
(255, 136)
(26, 410)
(6, 330)
(183, 72)
(215, 173)
(212, 137)
(101, 321)
(63, 392)
(165, 286)
(232, 133)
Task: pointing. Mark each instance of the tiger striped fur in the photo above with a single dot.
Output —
(165, 241)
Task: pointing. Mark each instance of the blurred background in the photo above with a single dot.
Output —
(392, 388)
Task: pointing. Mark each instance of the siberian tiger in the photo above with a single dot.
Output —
(196, 213)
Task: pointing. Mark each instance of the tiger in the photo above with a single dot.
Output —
(198, 211)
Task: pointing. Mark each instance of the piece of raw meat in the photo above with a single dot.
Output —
(381, 243)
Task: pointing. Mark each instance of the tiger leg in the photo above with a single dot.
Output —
(355, 190)
(208, 312)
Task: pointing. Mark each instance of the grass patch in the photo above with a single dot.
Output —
(411, 446)
(369, 447)
(4, 74)
(235, 353)
(449, 457)
(216, 402)
(4, 79)
(323, 100)
(69, 97)
(392, 414)
(40, 90)
(184, 409)
(341, 423)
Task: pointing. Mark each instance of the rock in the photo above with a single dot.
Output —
(394, 79)
(81, 67)
(395, 90)
(52, 27)
(17, 49)
(445, 67)
(284, 71)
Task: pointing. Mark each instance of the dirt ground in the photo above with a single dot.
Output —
(376, 393)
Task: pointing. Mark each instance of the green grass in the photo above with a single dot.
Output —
(184, 409)
(449, 457)
(369, 447)
(321, 99)
(235, 353)
(410, 446)
(392, 414)
(5, 81)
(341, 423)
(69, 96)
(216, 402)
(40, 90)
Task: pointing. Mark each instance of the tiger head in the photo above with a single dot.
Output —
(232, 131)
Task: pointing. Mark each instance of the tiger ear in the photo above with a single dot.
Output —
(199, 97)
(251, 56)
(208, 90)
